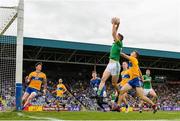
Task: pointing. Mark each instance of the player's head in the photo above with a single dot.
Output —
(124, 65)
(38, 66)
(135, 54)
(94, 74)
(120, 36)
(148, 72)
(60, 81)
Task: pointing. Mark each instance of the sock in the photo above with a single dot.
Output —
(127, 106)
(99, 92)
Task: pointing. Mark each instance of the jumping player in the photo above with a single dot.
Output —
(135, 81)
(113, 67)
(148, 90)
(35, 80)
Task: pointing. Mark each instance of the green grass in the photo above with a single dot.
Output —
(89, 115)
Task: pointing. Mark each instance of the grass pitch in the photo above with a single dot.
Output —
(89, 116)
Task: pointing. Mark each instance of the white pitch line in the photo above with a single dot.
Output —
(39, 118)
(54, 119)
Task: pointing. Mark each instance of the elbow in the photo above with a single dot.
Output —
(114, 34)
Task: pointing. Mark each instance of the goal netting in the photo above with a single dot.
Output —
(8, 53)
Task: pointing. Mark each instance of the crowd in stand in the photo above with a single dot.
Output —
(80, 93)
(168, 95)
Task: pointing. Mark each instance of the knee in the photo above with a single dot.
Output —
(121, 92)
(141, 96)
(114, 84)
(103, 80)
(155, 96)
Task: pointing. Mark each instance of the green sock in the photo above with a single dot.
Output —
(99, 92)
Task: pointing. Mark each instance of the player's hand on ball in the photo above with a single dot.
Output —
(115, 20)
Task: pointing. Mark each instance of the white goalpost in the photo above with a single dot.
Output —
(11, 56)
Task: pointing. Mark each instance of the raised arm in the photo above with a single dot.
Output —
(115, 27)
(125, 56)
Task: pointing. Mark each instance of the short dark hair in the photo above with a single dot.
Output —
(137, 54)
(122, 37)
(148, 69)
(125, 62)
(38, 63)
(93, 71)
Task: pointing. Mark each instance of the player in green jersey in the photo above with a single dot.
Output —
(113, 67)
(148, 90)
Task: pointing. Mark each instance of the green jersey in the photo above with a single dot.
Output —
(147, 82)
(115, 50)
(113, 96)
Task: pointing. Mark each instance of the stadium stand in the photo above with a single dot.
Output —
(75, 61)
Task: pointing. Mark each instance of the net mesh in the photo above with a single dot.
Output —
(8, 30)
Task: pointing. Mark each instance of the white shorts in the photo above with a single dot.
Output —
(113, 68)
(147, 91)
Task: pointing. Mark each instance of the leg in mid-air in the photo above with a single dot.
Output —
(105, 76)
(154, 95)
(141, 104)
(123, 99)
(115, 79)
(125, 102)
(31, 96)
(122, 95)
(25, 96)
(125, 89)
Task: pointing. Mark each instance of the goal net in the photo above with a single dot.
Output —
(8, 56)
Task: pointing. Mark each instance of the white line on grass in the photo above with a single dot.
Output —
(39, 118)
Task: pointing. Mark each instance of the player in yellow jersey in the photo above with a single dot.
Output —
(125, 75)
(135, 81)
(60, 90)
(35, 80)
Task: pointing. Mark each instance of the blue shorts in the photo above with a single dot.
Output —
(59, 98)
(136, 82)
(31, 90)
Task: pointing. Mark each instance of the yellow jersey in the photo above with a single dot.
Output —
(134, 67)
(125, 77)
(60, 90)
(36, 79)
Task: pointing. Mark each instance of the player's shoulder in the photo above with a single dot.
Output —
(144, 75)
(118, 42)
(133, 59)
(33, 72)
(123, 71)
(43, 73)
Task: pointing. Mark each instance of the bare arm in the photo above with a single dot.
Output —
(64, 89)
(114, 31)
(125, 56)
(45, 85)
(141, 76)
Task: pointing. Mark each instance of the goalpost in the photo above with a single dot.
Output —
(11, 56)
